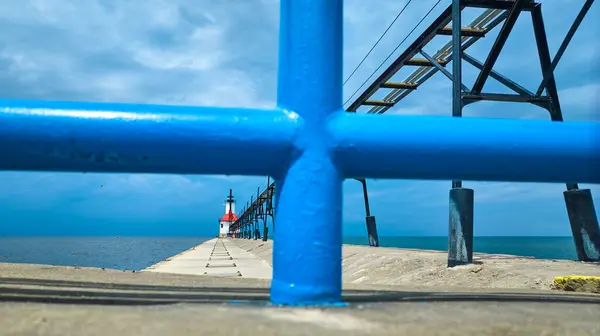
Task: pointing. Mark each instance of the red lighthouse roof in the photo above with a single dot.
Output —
(230, 217)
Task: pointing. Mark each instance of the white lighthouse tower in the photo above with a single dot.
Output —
(229, 217)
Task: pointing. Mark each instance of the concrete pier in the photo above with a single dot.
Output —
(362, 265)
(215, 257)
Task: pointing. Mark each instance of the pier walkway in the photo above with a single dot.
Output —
(215, 257)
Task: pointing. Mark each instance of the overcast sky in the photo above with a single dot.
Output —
(225, 53)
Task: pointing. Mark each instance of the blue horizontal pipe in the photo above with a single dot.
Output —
(447, 148)
(135, 138)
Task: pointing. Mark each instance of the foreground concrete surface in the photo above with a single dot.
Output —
(406, 267)
(54, 300)
(389, 319)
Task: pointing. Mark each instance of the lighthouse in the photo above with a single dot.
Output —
(229, 217)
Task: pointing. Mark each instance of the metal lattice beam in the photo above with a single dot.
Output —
(484, 23)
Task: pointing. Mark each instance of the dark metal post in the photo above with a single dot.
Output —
(242, 224)
(257, 215)
(460, 240)
(248, 228)
(544, 54)
(584, 224)
(460, 233)
(265, 236)
(579, 203)
(246, 225)
(371, 224)
(278, 186)
(366, 197)
(457, 103)
(241, 227)
(266, 212)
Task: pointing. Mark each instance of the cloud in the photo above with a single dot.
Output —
(581, 103)
(180, 52)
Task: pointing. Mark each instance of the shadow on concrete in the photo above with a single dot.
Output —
(95, 293)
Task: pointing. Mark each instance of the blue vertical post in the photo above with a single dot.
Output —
(308, 247)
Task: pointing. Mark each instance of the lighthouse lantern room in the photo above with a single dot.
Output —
(229, 217)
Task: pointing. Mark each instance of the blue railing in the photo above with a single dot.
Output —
(308, 144)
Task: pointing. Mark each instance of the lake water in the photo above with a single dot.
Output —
(538, 247)
(136, 253)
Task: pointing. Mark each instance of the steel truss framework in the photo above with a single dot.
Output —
(502, 13)
(579, 202)
(307, 143)
(260, 209)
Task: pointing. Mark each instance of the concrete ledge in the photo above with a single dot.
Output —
(577, 283)
(363, 265)
(58, 300)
